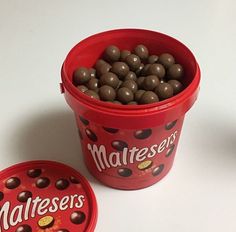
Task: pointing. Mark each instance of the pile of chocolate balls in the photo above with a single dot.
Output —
(130, 78)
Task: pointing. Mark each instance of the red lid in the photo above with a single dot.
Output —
(45, 196)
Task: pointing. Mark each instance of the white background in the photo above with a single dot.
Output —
(199, 194)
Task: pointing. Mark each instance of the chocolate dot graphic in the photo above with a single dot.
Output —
(156, 171)
(42, 182)
(84, 121)
(63, 230)
(91, 135)
(145, 165)
(142, 134)
(80, 135)
(110, 130)
(74, 180)
(12, 183)
(1, 196)
(170, 150)
(62, 184)
(119, 145)
(24, 228)
(46, 222)
(33, 173)
(124, 172)
(170, 125)
(77, 217)
(24, 196)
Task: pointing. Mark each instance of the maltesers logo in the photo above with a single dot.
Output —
(127, 155)
(37, 207)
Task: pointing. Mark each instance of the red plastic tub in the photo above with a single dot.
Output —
(129, 147)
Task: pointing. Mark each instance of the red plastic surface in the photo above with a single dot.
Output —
(104, 162)
(129, 119)
(76, 197)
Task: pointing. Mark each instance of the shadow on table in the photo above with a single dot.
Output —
(50, 136)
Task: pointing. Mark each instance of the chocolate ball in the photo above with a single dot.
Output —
(142, 134)
(141, 51)
(157, 69)
(140, 81)
(92, 72)
(107, 93)
(124, 54)
(120, 68)
(112, 53)
(133, 61)
(33, 173)
(139, 69)
(150, 82)
(24, 228)
(24, 196)
(138, 95)
(117, 102)
(120, 83)
(12, 182)
(124, 172)
(62, 184)
(119, 145)
(164, 91)
(148, 97)
(145, 69)
(175, 72)
(42, 182)
(99, 63)
(125, 95)
(152, 59)
(110, 79)
(170, 150)
(92, 94)
(81, 76)
(103, 68)
(77, 217)
(166, 60)
(130, 76)
(82, 88)
(176, 85)
(111, 130)
(132, 85)
(157, 170)
(74, 180)
(91, 135)
(132, 103)
(93, 84)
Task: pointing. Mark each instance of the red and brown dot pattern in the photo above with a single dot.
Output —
(45, 184)
(134, 143)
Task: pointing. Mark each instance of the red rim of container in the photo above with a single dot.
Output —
(123, 109)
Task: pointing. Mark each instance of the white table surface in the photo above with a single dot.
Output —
(199, 194)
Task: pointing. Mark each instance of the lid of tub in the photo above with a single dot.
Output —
(39, 196)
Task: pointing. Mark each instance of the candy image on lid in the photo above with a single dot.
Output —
(45, 196)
